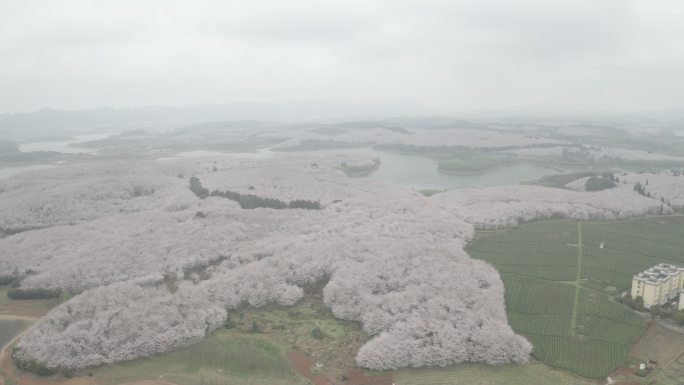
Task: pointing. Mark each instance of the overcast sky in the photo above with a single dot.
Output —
(449, 56)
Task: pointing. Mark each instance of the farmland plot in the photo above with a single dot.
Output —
(545, 267)
(475, 374)
(616, 251)
(659, 344)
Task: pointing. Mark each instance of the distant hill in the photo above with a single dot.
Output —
(50, 122)
(671, 116)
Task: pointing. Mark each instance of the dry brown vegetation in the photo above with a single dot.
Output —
(659, 344)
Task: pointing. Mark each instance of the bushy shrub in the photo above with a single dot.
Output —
(251, 201)
(317, 333)
(7, 280)
(31, 365)
(679, 317)
(304, 204)
(600, 183)
(197, 189)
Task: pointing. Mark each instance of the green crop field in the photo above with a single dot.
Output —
(628, 248)
(559, 277)
(477, 374)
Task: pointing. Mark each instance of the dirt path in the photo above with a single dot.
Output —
(151, 382)
(5, 348)
(301, 363)
(578, 278)
(358, 377)
(11, 317)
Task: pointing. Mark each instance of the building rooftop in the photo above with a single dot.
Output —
(658, 273)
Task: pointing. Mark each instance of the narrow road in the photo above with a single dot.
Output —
(578, 278)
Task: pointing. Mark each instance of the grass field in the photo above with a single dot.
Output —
(28, 308)
(9, 328)
(553, 302)
(226, 357)
(475, 374)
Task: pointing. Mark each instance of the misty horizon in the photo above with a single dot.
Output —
(448, 58)
(386, 192)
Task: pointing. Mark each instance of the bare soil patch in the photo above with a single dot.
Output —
(302, 364)
(359, 377)
(660, 344)
(622, 372)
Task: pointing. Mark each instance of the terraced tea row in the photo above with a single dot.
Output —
(614, 252)
(545, 266)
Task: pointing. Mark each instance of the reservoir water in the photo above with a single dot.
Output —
(421, 173)
(67, 146)
(410, 170)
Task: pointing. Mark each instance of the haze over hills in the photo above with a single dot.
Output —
(218, 215)
(51, 122)
(393, 192)
(47, 122)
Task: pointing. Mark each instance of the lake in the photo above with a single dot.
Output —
(409, 170)
(421, 173)
(9, 329)
(55, 145)
(64, 146)
(412, 171)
